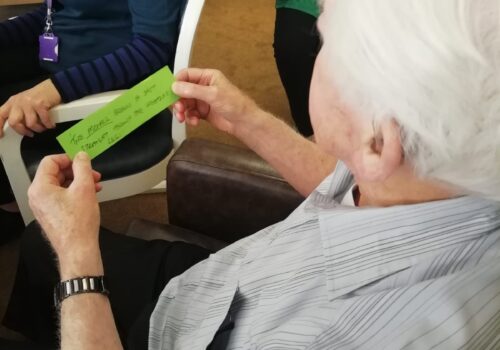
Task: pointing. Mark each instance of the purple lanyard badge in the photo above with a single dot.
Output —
(49, 43)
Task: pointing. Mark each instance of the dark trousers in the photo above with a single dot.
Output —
(137, 271)
(19, 71)
(296, 45)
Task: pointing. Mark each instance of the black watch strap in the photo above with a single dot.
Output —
(80, 285)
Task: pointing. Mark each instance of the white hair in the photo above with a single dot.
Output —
(434, 67)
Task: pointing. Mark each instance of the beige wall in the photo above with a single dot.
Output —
(18, 2)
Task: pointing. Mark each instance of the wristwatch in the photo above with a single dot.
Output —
(80, 285)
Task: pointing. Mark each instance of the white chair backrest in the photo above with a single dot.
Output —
(189, 24)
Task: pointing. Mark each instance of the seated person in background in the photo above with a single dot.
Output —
(296, 45)
(103, 45)
(398, 249)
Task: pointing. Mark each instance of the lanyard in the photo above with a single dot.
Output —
(48, 19)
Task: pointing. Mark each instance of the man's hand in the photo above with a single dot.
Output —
(28, 111)
(207, 94)
(63, 199)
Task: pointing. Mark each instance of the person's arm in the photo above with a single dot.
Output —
(207, 94)
(23, 30)
(117, 70)
(28, 111)
(86, 319)
(63, 199)
(297, 159)
(155, 28)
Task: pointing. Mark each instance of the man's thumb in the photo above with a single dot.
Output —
(82, 170)
(195, 91)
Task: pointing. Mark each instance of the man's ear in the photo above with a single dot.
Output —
(382, 155)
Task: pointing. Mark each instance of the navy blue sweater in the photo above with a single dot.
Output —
(104, 45)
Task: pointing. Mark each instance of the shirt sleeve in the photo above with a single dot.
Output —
(24, 29)
(155, 25)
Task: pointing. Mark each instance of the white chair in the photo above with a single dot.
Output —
(10, 144)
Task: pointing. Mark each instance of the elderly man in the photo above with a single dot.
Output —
(399, 248)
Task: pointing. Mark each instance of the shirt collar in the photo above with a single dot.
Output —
(362, 245)
(331, 191)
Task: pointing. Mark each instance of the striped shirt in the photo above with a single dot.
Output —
(424, 276)
(103, 45)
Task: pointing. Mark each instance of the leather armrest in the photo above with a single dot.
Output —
(148, 231)
(225, 192)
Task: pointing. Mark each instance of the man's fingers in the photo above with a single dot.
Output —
(193, 121)
(179, 109)
(98, 187)
(62, 177)
(62, 160)
(179, 105)
(203, 108)
(96, 175)
(199, 92)
(66, 176)
(192, 75)
(192, 117)
(50, 169)
(82, 170)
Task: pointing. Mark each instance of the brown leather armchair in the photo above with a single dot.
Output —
(218, 194)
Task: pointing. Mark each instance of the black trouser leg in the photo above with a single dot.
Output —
(19, 71)
(20, 345)
(6, 195)
(296, 45)
(136, 270)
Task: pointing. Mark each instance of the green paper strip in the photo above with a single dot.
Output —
(108, 125)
